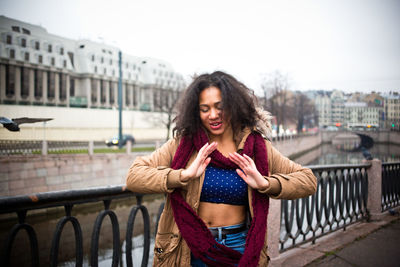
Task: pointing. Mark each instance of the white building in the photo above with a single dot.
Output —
(39, 69)
(360, 115)
(392, 110)
(323, 106)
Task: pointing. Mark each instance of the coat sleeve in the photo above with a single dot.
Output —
(153, 174)
(288, 180)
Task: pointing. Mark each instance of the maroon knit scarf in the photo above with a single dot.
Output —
(196, 234)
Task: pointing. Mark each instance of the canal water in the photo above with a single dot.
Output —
(44, 224)
(328, 154)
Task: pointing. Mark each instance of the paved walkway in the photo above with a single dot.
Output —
(376, 243)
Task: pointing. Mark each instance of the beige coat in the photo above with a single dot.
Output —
(152, 174)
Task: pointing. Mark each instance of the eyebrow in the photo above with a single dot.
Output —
(206, 105)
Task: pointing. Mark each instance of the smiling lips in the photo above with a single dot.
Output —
(215, 125)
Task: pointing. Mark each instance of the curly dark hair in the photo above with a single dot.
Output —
(238, 103)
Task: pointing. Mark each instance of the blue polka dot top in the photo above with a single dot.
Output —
(223, 186)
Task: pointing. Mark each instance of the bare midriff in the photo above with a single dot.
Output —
(218, 214)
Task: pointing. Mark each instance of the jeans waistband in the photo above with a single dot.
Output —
(221, 232)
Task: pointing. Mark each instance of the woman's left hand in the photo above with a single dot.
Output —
(248, 171)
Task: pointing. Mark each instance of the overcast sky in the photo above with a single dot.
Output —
(351, 45)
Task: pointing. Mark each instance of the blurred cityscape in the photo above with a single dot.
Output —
(75, 82)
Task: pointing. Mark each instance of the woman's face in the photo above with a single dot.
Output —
(211, 113)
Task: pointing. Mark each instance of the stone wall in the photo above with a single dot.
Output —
(297, 146)
(20, 175)
(33, 174)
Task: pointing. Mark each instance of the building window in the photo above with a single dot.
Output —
(40, 59)
(62, 86)
(51, 84)
(26, 31)
(110, 61)
(15, 29)
(26, 56)
(71, 87)
(103, 91)
(9, 39)
(53, 61)
(10, 80)
(93, 58)
(105, 71)
(24, 82)
(102, 60)
(95, 69)
(64, 63)
(71, 58)
(62, 51)
(37, 45)
(50, 48)
(38, 81)
(12, 53)
(23, 42)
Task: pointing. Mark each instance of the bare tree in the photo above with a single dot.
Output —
(164, 101)
(305, 111)
(277, 97)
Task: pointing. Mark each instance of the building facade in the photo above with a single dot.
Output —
(392, 111)
(361, 115)
(38, 68)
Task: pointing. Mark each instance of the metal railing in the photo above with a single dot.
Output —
(68, 199)
(10, 147)
(286, 137)
(340, 200)
(390, 185)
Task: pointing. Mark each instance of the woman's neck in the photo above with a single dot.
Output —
(226, 142)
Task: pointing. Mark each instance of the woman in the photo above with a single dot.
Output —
(219, 173)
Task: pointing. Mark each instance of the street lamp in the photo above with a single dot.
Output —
(120, 99)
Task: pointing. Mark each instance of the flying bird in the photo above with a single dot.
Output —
(13, 124)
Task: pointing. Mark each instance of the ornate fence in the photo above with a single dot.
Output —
(390, 185)
(68, 199)
(10, 147)
(340, 200)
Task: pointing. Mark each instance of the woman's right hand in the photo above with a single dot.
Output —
(199, 165)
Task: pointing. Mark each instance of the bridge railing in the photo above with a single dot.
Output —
(21, 205)
(12, 147)
(340, 200)
(343, 197)
(390, 185)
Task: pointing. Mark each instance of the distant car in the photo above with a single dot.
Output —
(114, 141)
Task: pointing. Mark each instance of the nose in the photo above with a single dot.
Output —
(214, 113)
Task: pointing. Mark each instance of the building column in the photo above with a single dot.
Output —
(31, 97)
(2, 83)
(44, 84)
(57, 88)
(98, 104)
(18, 84)
(67, 84)
(107, 88)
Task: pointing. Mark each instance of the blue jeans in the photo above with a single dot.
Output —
(234, 241)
